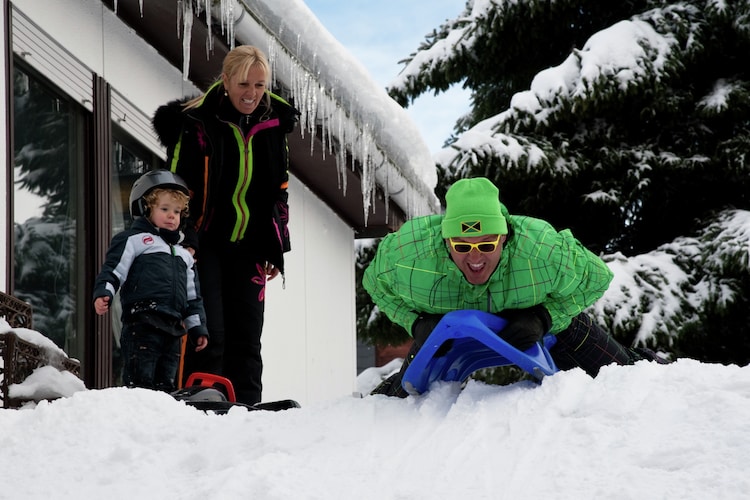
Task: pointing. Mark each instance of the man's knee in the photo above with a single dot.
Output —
(586, 345)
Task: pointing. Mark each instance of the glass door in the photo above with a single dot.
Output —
(47, 206)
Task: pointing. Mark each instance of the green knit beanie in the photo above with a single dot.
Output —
(473, 209)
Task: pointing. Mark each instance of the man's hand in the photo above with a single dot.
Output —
(423, 326)
(525, 327)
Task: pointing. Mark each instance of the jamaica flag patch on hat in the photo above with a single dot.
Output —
(471, 227)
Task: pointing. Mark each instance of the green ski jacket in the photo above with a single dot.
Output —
(413, 273)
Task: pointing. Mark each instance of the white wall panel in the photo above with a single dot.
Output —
(74, 24)
(309, 340)
(44, 54)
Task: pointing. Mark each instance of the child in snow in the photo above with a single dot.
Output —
(160, 291)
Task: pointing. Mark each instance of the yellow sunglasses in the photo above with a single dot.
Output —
(482, 246)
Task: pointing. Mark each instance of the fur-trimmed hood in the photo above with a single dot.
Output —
(168, 121)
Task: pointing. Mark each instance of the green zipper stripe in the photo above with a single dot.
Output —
(244, 175)
(176, 155)
(245, 186)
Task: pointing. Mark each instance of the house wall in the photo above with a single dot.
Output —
(309, 343)
(309, 340)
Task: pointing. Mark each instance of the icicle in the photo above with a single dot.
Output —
(186, 10)
(179, 18)
(187, 30)
(325, 139)
(209, 35)
(223, 17)
(227, 17)
(230, 17)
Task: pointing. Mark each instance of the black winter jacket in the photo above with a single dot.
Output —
(157, 280)
(236, 167)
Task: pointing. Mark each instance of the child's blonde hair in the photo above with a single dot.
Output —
(152, 198)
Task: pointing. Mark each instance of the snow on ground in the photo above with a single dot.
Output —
(643, 431)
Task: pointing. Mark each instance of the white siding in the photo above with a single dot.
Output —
(309, 339)
(46, 55)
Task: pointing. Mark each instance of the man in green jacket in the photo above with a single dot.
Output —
(478, 256)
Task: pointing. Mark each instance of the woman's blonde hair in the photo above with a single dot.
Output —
(238, 61)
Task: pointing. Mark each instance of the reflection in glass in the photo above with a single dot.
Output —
(46, 155)
(129, 162)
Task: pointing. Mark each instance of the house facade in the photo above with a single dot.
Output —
(82, 80)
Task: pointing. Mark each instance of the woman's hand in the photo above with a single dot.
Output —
(271, 271)
(201, 343)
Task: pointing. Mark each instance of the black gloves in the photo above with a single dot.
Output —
(423, 326)
(525, 326)
(420, 330)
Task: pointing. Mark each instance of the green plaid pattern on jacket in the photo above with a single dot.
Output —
(413, 273)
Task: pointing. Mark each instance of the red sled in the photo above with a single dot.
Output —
(209, 392)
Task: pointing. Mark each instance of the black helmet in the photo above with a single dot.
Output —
(148, 182)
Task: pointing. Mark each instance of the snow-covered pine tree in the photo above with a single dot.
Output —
(628, 122)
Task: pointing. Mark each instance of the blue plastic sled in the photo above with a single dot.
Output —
(466, 341)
